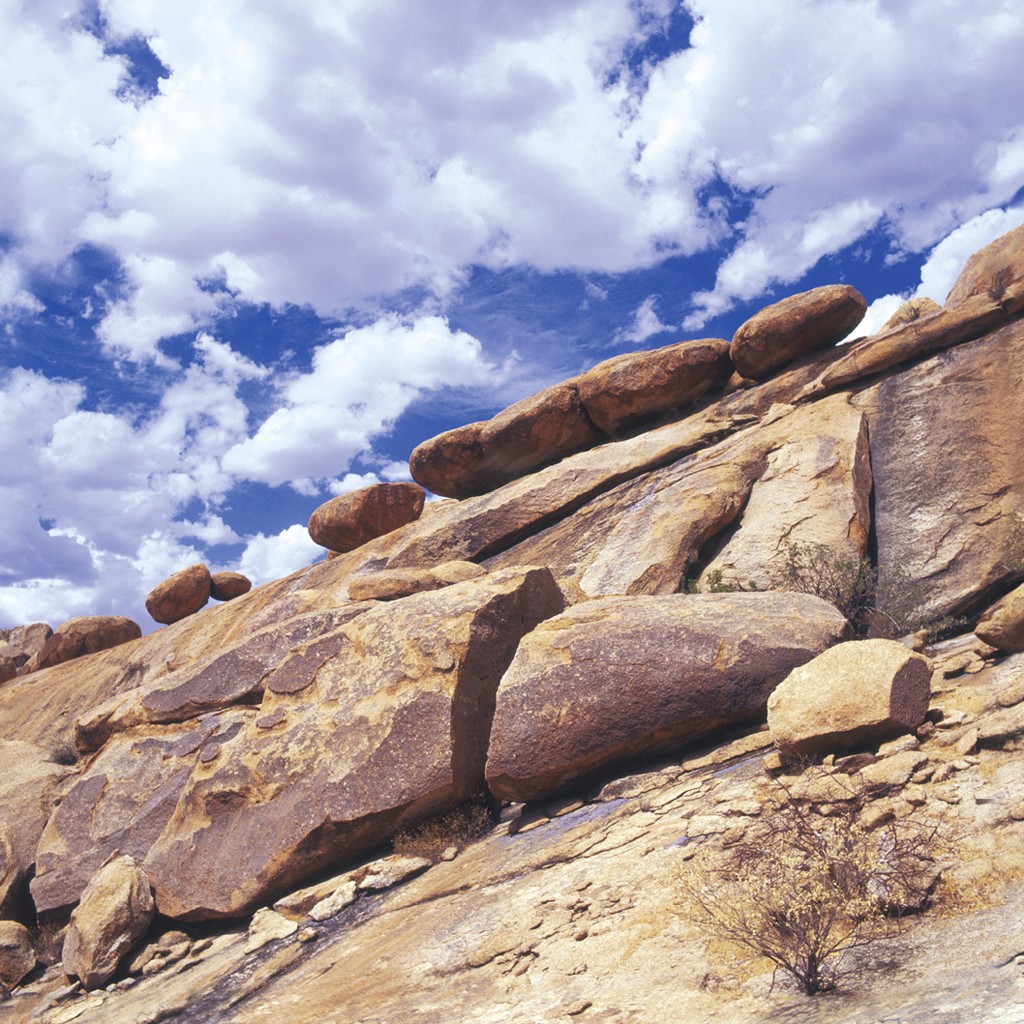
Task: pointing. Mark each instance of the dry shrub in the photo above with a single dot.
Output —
(457, 827)
(803, 890)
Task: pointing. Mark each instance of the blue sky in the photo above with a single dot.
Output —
(251, 253)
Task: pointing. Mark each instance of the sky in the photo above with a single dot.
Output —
(254, 252)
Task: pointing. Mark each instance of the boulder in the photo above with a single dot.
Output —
(351, 519)
(180, 595)
(855, 694)
(115, 912)
(28, 785)
(22, 643)
(226, 586)
(618, 678)
(995, 272)
(639, 385)
(542, 428)
(17, 957)
(1002, 625)
(795, 326)
(85, 634)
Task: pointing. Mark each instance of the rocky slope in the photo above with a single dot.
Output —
(541, 640)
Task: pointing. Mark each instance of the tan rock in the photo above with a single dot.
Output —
(1002, 625)
(391, 584)
(17, 957)
(226, 586)
(351, 519)
(995, 272)
(854, 694)
(911, 311)
(481, 456)
(409, 686)
(180, 595)
(795, 326)
(941, 521)
(617, 677)
(266, 926)
(458, 571)
(334, 902)
(639, 385)
(24, 642)
(28, 785)
(83, 635)
(115, 912)
(814, 490)
(8, 665)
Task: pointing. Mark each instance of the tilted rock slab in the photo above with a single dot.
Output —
(360, 732)
(855, 694)
(638, 385)
(351, 519)
(85, 634)
(478, 457)
(620, 677)
(1002, 625)
(795, 326)
(116, 911)
(28, 785)
(180, 595)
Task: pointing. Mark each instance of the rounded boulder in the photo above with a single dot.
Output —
(225, 586)
(180, 595)
(352, 519)
(84, 634)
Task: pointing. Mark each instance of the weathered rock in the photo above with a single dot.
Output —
(8, 666)
(28, 784)
(795, 326)
(266, 926)
(477, 458)
(638, 385)
(226, 586)
(277, 798)
(24, 642)
(17, 957)
(616, 678)
(814, 491)
(115, 912)
(911, 311)
(391, 584)
(1002, 625)
(942, 520)
(351, 519)
(458, 571)
(83, 635)
(857, 693)
(180, 595)
(995, 272)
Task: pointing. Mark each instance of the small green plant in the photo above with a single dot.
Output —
(803, 890)
(457, 827)
(714, 583)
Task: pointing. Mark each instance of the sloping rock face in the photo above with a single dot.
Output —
(795, 326)
(85, 634)
(351, 519)
(618, 677)
(180, 595)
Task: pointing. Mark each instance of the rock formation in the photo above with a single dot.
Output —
(180, 595)
(85, 634)
(226, 586)
(351, 519)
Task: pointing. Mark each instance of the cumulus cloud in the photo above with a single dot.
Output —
(270, 558)
(645, 324)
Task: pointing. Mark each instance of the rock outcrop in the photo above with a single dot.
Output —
(857, 693)
(620, 677)
(351, 519)
(180, 595)
(85, 634)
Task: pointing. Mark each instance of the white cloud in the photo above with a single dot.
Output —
(646, 323)
(270, 558)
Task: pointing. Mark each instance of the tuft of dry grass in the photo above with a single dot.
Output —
(454, 828)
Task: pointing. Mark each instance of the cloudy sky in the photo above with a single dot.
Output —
(254, 251)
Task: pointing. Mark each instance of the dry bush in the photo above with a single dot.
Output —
(803, 890)
(457, 827)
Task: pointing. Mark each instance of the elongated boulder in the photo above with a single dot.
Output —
(638, 385)
(180, 595)
(351, 519)
(1002, 625)
(116, 910)
(795, 326)
(617, 678)
(28, 785)
(857, 693)
(85, 634)
(478, 457)
(360, 733)
(226, 586)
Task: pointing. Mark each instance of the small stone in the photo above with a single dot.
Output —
(449, 853)
(576, 1009)
(307, 935)
(772, 762)
(943, 772)
(342, 897)
(266, 926)
(967, 743)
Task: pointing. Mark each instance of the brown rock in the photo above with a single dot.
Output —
(85, 634)
(481, 456)
(17, 957)
(995, 272)
(616, 678)
(854, 694)
(225, 586)
(24, 642)
(180, 595)
(8, 666)
(115, 912)
(911, 311)
(639, 385)
(351, 519)
(795, 326)
(1002, 625)
(28, 784)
